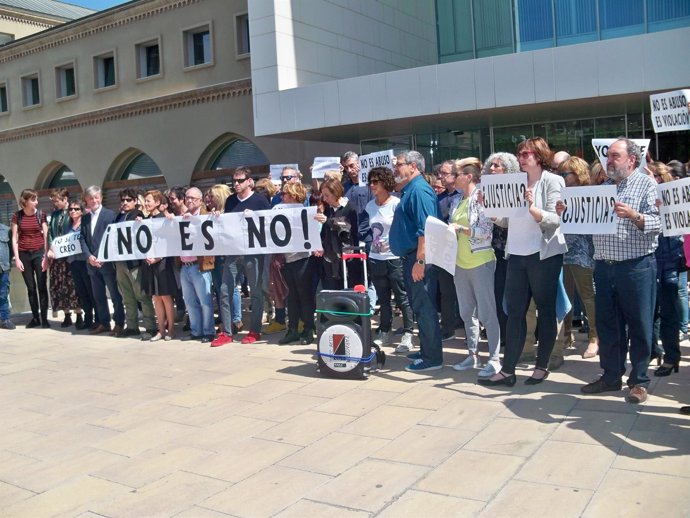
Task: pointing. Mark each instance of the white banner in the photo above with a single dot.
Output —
(670, 111)
(440, 244)
(277, 170)
(601, 148)
(378, 159)
(66, 245)
(504, 194)
(589, 210)
(249, 233)
(323, 164)
(675, 207)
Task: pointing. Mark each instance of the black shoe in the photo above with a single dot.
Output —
(666, 369)
(130, 331)
(207, 339)
(685, 410)
(507, 379)
(537, 381)
(291, 337)
(67, 321)
(192, 338)
(34, 323)
(44, 323)
(79, 323)
(307, 337)
(599, 386)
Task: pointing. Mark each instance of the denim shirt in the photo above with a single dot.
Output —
(4, 248)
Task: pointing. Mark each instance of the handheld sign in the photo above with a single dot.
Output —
(670, 111)
(235, 233)
(378, 159)
(277, 170)
(675, 207)
(601, 148)
(440, 244)
(323, 164)
(66, 245)
(589, 210)
(504, 194)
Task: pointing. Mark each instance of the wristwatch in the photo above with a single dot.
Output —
(420, 261)
(638, 217)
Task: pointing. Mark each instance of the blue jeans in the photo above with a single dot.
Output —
(100, 279)
(251, 266)
(667, 316)
(4, 296)
(625, 295)
(196, 290)
(422, 295)
(683, 291)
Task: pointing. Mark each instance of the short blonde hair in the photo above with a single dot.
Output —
(577, 166)
(267, 186)
(297, 190)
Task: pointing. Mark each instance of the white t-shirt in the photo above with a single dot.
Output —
(380, 220)
(524, 235)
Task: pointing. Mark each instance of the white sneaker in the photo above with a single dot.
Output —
(406, 344)
(492, 367)
(471, 362)
(383, 338)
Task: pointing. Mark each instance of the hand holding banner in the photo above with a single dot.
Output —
(675, 207)
(504, 194)
(64, 246)
(440, 244)
(589, 210)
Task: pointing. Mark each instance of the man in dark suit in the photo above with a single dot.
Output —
(101, 274)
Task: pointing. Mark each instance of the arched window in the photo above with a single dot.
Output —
(63, 177)
(239, 152)
(141, 167)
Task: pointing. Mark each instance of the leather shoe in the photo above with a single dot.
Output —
(599, 386)
(100, 328)
(130, 331)
(505, 379)
(191, 338)
(637, 395)
(207, 339)
(291, 337)
(117, 330)
(536, 381)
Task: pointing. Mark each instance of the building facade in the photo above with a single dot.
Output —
(456, 78)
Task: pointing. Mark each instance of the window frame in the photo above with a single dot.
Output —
(59, 71)
(187, 34)
(23, 81)
(241, 55)
(98, 58)
(140, 52)
(3, 84)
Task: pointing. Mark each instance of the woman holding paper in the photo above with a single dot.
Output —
(77, 267)
(535, 246)
(475, 264)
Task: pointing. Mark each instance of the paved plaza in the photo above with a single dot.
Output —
(99, 426)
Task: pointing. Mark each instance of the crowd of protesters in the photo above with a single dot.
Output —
(511, 278)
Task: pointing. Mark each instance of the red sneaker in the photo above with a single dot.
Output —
(252, 337)
(221, 339)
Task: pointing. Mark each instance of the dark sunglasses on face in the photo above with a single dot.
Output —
(73, 209)
(286, 178)
(126, 200)
(240, 180)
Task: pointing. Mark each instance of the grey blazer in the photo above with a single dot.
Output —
(546, 194)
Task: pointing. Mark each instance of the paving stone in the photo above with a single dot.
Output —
(308, 508)
(594, 427)
(386, 422)
(356, 402)
(519, 498)
(522, 437)
(413, 504)
(306, 428)
(424, 445)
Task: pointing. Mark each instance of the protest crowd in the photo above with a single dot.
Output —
(519, 281)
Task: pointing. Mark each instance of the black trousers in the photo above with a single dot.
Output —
(301, 301)
(35, 279)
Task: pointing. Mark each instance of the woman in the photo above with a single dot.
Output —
(339, 229)
(158, 277)
(78, 270)
(63, 294)
(535, 246)
(298, 271)
(475, 264)
(670, 260)
(384, 266)
(578, 262)
(30, 244)
(500, 163)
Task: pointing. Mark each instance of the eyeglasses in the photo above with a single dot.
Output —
(566, 173)
(240, 180)
(191, 198)
(525, 154)
(286, 178)
(126, 200)
(496, 165)
(73, 209)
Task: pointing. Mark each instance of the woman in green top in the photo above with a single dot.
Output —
(474, 268)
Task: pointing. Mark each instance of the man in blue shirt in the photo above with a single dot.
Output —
(417, 201)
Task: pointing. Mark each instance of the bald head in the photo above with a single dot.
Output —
(558, 158)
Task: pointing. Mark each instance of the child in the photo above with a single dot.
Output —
(5, 322)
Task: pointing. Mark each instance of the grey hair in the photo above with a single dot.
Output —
(414, 157)
(632, 149)
(194, 190)
(349, 155)
(509, 161)
(92, 190)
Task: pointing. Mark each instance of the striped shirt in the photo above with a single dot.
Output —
(629, 242)
(29, 232)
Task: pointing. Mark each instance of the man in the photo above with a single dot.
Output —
(5, 322)
(558, 158)
(177, 202)
(128, 278)
(178, 208)
(359, 196)
(101, 274)
(195, 277)
(249, 265)
(287, 175)
(417, 201)
(625, 276)
(447, 297)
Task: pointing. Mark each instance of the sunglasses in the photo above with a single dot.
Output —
(126, 200)
(525, 154)
(73, 209)
(240, 180)
(286, 178)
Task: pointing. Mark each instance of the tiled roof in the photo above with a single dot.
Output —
(48, 7)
